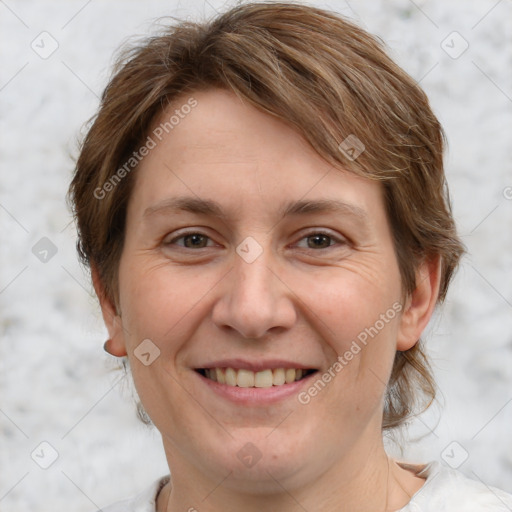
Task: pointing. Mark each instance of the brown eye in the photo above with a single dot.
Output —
(191, 241)
(195, 240)
(319, 241)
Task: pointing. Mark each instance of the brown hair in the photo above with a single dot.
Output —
(325, 77)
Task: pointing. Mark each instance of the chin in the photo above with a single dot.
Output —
(264, 461)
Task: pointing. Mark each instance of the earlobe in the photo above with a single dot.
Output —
(115, 345)
(420, 304)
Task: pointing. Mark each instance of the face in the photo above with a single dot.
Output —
(267, 285)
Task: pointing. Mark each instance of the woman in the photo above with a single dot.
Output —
(262, 203)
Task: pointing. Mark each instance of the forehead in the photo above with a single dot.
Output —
(226, 149)
(223, 128)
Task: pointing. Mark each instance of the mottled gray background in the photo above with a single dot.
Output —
(57, 385)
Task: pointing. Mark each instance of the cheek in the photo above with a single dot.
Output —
(348, 305)
(157, 299)
(358, 319)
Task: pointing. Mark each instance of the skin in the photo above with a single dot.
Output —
(304, 299)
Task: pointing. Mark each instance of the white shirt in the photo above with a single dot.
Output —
(445, 490)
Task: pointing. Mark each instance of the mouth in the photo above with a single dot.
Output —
(243, 378)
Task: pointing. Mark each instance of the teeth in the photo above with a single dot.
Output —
(263, 379)
(248, 379)
(289, 375)
(278, 377)
(245, 379)
(221, 379)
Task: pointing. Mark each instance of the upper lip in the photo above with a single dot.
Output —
(255, 366)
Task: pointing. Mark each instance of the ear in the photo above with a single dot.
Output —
(420, 304)
(112, 319)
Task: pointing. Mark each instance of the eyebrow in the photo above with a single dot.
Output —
(208, 207)
(186, 204)
(325, 206)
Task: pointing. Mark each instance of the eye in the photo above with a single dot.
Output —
(319, 240)
(191, 241)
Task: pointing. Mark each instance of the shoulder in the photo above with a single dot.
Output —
(145, 501)
(446, 489)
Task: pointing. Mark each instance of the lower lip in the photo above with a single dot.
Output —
(256, 396)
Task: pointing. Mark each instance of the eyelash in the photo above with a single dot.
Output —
(333, 238)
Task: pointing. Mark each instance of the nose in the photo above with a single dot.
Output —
(254, 300)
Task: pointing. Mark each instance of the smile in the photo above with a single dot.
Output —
(248, 379)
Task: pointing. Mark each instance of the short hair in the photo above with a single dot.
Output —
(326, 78)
